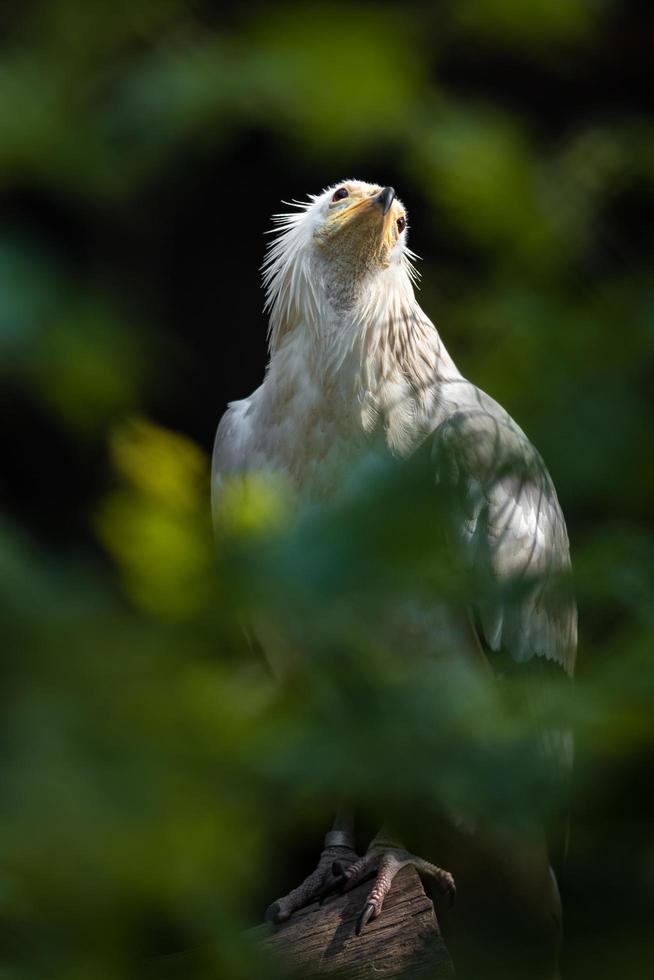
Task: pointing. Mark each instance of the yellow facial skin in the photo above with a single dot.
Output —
(357, 228)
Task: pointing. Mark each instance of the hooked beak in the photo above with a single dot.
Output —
(385, 198)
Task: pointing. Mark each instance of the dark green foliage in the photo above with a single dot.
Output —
(153, 773)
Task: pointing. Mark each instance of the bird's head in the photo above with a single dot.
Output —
(359, 227)
(336, 251)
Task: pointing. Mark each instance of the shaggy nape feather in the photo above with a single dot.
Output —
(375, 324)
(294, 288)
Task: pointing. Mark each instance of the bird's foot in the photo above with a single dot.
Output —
(382, 862)
(333, 859)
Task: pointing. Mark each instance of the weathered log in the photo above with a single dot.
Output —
(404, 942)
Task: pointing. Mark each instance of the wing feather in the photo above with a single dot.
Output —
(508, 522)
(230, 445)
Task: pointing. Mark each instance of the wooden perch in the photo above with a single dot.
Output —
(404, 942)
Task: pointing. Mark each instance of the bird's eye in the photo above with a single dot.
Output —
(340, 194)
(401, 225)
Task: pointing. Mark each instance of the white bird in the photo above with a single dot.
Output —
(356, 363)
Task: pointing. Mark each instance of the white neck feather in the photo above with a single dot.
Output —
(369, 339)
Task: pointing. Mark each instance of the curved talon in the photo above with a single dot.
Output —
(275, 914)
(365, 917)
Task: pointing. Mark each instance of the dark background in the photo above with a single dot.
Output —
(143, 148)
(177, 250)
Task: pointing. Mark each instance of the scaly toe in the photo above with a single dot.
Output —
(448, 887)
(334, 887)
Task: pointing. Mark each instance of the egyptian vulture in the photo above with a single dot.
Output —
(355, 362)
